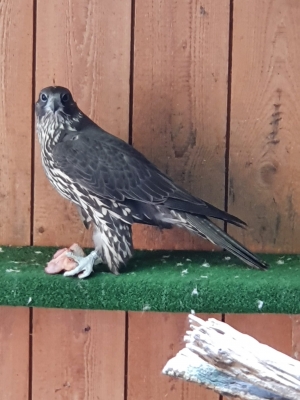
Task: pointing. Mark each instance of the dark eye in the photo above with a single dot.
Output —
(44, 97)
(65, 97)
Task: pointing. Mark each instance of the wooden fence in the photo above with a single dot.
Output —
(209, 90)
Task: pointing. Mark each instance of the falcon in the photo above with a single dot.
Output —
(113, 186)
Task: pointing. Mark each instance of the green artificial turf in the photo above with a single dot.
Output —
(178, 281)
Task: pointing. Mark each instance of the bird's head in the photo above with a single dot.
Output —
(56, 101)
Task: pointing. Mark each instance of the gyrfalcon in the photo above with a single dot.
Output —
(113, 186)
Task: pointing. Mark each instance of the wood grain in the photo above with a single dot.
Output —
(153, 338)
(180, 101)
(78, 355)
(14, 353)
(296, 336)
(265, 124)
(275, 330)
(86, 47)
(16, 32)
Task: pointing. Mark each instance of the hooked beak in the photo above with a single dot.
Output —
(54, 105)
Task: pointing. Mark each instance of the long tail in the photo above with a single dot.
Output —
(207, 229)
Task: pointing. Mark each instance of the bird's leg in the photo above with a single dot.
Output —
(85, 264)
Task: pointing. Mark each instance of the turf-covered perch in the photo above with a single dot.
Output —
(177, 281)
(233, 364)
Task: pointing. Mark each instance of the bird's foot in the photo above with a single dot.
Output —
(60, 262)
(85, 264)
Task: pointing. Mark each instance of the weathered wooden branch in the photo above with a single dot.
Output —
(233, 364)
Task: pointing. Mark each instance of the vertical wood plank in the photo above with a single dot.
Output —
(279, 331)
(86, 47)
(14, 353)
(296, 336)
(265, 124)
(78, 355)
(275, 330)
(16, 32)
(180, 101)
(153, 338)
